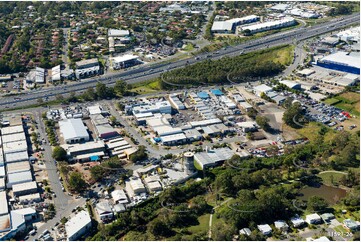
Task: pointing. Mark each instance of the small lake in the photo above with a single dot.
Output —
(331, 194)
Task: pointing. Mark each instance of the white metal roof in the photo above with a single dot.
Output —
(222, 26)
(12, 130)
(73, 128)
(343, 58)
(13, 137)
(14, 147)
(77, 223)
(117, 32)
(17, 167)
(262, 88)
(16, 156)
(119, 195)
(24, 186)
(173, 137)
(4, 209)
(214, 156)
(20, 177)
(124, 58)
(269, 24)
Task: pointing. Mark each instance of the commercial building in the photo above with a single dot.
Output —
(176, 103)
(105, 211)
(341, 61)
(2, 183)
(263, 88)
(192, 135)
(12, 130)
(245, 106)
(18, 178)
(16, 167)
(102, 127)
(125, 61)
(212, 158)
(87, 68)
(173, 139)
(161, 106)
(291, 84)
(56, 73)
(297, 221)
(350, 35)
(86, 151)
(78, 225)
(248, 126)
(25, 188)
(30, 198)
(229, 26)
(13, 137)
(73, 131)
(118, 33)
(285, 22)
(4, 209)
(134, 187)
(119, 196)
(14, 147)
(16, 156)
(36, 76)
(153, 184)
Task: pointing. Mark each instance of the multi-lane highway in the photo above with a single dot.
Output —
(146, 72)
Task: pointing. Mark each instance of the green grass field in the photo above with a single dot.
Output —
(203, 225)
(146, 87)
(348, 101)
(326, 178)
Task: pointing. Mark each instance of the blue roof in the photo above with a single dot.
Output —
(94, 158)
(157, 139)
(203, 95)
(217, 92)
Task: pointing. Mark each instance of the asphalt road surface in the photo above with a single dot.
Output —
(146, 72)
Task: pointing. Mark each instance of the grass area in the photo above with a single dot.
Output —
(189, 47)
(348, 101)
(146, 87)
(326, 178)
(310, 131)
(203, 225)
(340, 229)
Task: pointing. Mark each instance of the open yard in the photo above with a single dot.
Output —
(146, 87)
(331, 178)
(203, 225)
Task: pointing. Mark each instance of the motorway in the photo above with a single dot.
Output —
(146, 72)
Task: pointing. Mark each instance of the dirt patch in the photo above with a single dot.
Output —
(289, 133)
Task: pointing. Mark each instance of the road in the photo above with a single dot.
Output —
(211, 217)
(146, 72)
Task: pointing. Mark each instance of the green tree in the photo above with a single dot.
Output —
(293, 115)
(59, 153)
(76, 182)
(316, 203)
(101, 90)
(263, 122)
(120, 88)
(158, 228)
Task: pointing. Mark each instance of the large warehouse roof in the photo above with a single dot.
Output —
(73, 128)
(4, 209)
(124, 58)
(24, 186)
(77, 223)
(343, 58)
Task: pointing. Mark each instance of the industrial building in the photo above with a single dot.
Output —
(14, 147)
(87, 68)
(160, 106)
(256, 28)
(30, 198)
(102, 127)
(229, 26)
(125, 61)
(4, 209)
(119, 196)
(12, 130)
(263, 88)
(73, 131)
(341, 61)
(16, 167)
(13, 137)
(78, 225)
(2, 183)
(249, 126)
(104, 210)
(153, 184)
(134, 186)
(36, 76)
(18, 178)
(177, 104)
(25, 188)
(92, 150)
(291, 84)
(211, 158)
(118, 146)
(16, 156)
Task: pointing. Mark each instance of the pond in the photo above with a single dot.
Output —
(331, 194)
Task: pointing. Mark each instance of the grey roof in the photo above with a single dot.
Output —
(214, 156)
(73, 128)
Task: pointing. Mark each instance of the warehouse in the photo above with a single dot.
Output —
(2, 183)
(78, 225)
(263, 88)
(104, 210)
(14, 147)
(134, 187)
(85, 151)
(192, 135)
(291, 84)
(16, 167)
(12, 130)
(119, 196)
(249, 126)
(18, 178)
(341, 61)
(31, 198)
(16, 156)
(177, 104)
(153, 184)
(174, 139)
(2, 171)
(245, 106)
(5, 225)
(212, 158)
(13, 137)
(202, 123)
(36, 76)
(229, 26)
(102, 127)
(286, 22)
(2, 162)
(73, 131)
(125, 61)
(4, 209)
(157, 107)
(87, 68)
(25, 188)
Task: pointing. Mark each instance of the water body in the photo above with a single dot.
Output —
(331, 194)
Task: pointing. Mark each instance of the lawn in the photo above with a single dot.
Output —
(326, 178)
(348, 101)
(310, 131)
(146, 87)
(203, 225)
(188, 47)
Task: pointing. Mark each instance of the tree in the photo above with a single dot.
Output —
(263, 122)
(113, 120)
(293, 115)
(101, 90)
(140, 154)
(316, 203)
(252, 113)
(76, 182)
(158, 228)
(120, 88)
(89, 94)
(59, 153)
